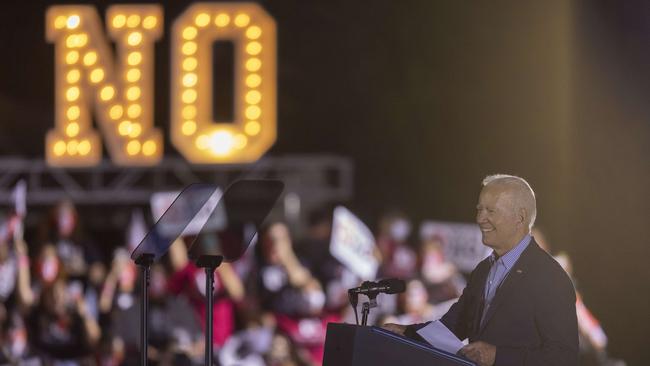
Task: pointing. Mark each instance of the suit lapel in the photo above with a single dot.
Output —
(510, 283)
(478, 310)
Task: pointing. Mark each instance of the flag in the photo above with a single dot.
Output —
(19, 196)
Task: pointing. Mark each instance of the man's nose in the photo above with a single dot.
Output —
(480, 216)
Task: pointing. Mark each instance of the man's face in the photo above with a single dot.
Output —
(501, 227)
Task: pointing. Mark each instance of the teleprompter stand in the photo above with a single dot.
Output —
(209, 263)
(157, 242)
(224, 226)
(229, 230)
(144, 261)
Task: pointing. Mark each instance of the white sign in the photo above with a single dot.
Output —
(19, 196)
(353, 244)
(461, 242)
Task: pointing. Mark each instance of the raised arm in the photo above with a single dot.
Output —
(231, 282)
(25, 293)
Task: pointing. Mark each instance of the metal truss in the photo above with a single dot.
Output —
(313, 180)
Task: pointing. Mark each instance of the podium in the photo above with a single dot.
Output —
(353, 345)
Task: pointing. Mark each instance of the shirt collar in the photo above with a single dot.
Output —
(510, 258)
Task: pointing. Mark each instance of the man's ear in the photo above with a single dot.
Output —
(522, 214)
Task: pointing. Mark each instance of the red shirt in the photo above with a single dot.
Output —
(189, 281)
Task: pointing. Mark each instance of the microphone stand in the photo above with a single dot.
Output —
(371, 290)
(365, 310)
(354, 300)
(210, 264)
(144, 261)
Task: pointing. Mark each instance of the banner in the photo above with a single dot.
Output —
(353, 244)
(461, 242)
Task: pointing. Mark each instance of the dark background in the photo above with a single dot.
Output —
(428, 97)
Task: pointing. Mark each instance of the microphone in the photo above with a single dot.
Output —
(388, 286)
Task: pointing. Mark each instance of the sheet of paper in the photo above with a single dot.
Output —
(439, 336)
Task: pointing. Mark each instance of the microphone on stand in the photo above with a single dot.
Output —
(372, 289)
(388, 286)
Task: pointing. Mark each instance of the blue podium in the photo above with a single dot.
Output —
(353, 345)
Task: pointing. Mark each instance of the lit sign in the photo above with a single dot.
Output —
(120, 89)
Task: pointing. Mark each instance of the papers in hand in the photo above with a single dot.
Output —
(439, 336)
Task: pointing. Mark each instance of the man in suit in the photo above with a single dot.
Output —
(519, 305)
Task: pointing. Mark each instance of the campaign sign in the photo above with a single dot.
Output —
(461, 241)
(353, 244)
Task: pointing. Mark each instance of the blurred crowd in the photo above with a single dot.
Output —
(63, 303)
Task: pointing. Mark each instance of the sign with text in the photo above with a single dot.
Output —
(119, 88)
(461, 242)
(353, 244)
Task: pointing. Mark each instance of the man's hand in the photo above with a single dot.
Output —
(395, 328)
(484, 354)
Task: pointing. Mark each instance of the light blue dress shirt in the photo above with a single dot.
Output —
(499, 271)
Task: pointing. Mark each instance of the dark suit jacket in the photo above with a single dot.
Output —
(532, 319)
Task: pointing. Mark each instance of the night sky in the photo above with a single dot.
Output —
(427, 97)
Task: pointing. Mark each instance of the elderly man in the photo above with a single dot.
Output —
(519, 305)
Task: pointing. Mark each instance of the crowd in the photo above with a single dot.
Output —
(62, 303)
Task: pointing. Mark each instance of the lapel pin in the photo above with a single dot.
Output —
(520, 271)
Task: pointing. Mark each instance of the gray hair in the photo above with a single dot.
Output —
(525, 194)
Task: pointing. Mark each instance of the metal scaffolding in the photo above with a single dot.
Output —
(313, 180)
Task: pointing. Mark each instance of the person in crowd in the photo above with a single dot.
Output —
(14, 346)
(313, 252)
(78, 256)
(288, 290)
(398, 257)
(119, 308)
(519, 305)
(285, 286)
(252, 343)
(63, 229)
(440, 277)
(313, 249)
(413, 304)
(15, 287)
(16, 295)
(47, 268)
(174, 330)
(60, 328)
(188, 280)
(284, 353)
(93, 289)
